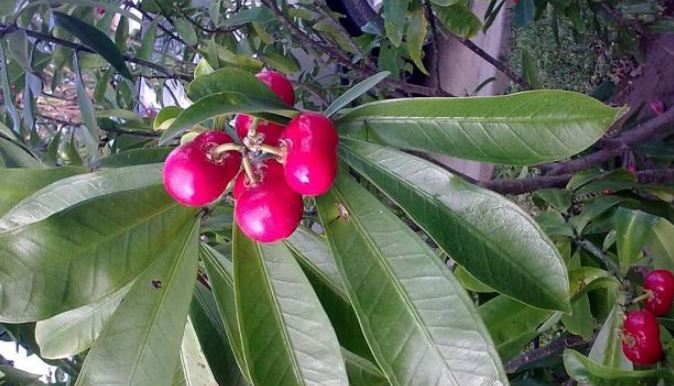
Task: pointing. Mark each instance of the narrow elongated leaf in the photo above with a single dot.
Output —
(191, 361)
(420, 324)
(361, 371)
(588, 372)
(70, 191)
(459, 19)
(20, 183)
(355, 91)
(491, 237)
(287, 338)
(519, 129)
(606, 348)
(74, 331)
(149, 35)
(186, 31)
(8, 100)
(95, 39)
(221, 277)
(219, 104)
(214, 343)
(135, 157)
(139, 345)
(416, 34)
(661, 245)
(85, 252)
(13, 155)
(313, 254)
(394, 12)
(230, 79)
(511, 324)
(633, 228)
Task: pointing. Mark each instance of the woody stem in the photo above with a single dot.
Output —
(248, 169)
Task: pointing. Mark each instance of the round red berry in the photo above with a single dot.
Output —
(641, 338)
(193, 177)
(661, 284)
(310, 140)
(279, 84)
(264, 171)
(271, 131)
(269, 210)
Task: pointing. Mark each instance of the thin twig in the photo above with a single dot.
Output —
(601, 255)
(435, 64)
(553, 348)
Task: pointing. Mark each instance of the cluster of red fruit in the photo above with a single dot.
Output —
(276, 166)
(641, 332)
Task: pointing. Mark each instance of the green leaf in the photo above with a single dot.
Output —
(14, 155)
(581, 279)
(580, 321)
(633, 227)
(553, 224)
(511, 324)
(312, 252)
(214, 343)
(661, 245)
(519, 129)
(416, 34)
(75, 331)
(7, 92)
(593, 209)
(139, 345)
(588, 372)
(18, 184)
(135, 157)
(71, 191)
(354, 92)
(83, 100)
(192, 364)
(469, 281)
(122, 33)
(459, 19)
(220, 104)
(559, 199)
(530, 69)
(93, 38)
(147, 44)
(393, 12)
(84, 253)
(287, 337)
(186, 31)
(221, 277)
(420, 324)
(126, 115)
(607, 347)
(471, 224)
(362, 372)
(229, 79)
(258, 14)
(168, 112)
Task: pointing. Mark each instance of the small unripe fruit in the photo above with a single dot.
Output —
(661, 284)
(310, 140)
(193, 177)
(641, 338)
(269, 210)
(279, 84)
(271, 131)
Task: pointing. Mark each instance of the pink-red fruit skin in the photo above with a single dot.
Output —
(641, 338)
(271, 131)
(268, 211)
(661, 283)
(192, 177)
(311, 143)
(279, 84)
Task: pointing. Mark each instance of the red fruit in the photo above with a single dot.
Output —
(661, 283)
(641, 338)
(311, 141)
(268, 211)
(193, 177)
(264, 171)
(279, 84)
(272, 131)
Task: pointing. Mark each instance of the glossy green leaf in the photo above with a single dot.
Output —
(164, 115)
(140, 343)
(580, 321)
(416, 34)
(13, 155)
(607, 346)
(633, 227)
(511, 324)
(469, 281)
(70, 191)
(530, 69)
(393, 12)
(471, 224)
(135, 157)
(459, 19)
(354, 92)
(661, 245)
(75, 331)
(420, 324)
(287, 337)
(186, 31)
(221, 277)
(588, 372)
(362, 372)
(192, 364)
(211, 333)
(553, 224)
(593, 209)
(6, 90)
(18, 184)
(559, 199)
(220, 104)
(581, 278)
(230, 79)
(148, 41)
(312, 252)
(520, 129)
(93, 38)
(84, 253)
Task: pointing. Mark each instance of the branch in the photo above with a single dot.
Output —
(553, 348)
(601, 255)
(651, 129)
(435, 65)
(528, 185)
(160, 25)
